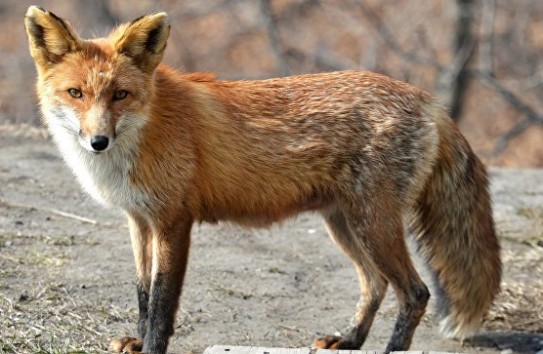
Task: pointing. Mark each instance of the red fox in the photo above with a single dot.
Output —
(372, 155)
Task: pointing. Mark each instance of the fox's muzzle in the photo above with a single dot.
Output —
(97, 143)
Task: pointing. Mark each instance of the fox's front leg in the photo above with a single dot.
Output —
(142, 245)
(161, 253)
(171, 242)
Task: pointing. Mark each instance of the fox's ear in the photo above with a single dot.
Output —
(49, 36)
(143, 40)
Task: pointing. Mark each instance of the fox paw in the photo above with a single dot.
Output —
(127, 345)
(334, 342)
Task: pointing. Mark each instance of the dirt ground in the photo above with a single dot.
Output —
(67, 279)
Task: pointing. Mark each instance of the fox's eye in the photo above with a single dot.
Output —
(120, 95)
(75, 93)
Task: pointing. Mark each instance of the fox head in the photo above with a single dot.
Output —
(96, 89)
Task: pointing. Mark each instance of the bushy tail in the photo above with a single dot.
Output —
(455, 232)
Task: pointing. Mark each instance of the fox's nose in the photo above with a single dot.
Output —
(99, 142)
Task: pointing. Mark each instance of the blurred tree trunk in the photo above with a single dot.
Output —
(453, 78)
(464, 38)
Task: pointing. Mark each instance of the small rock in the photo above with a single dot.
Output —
(507, 351)
(19, 222)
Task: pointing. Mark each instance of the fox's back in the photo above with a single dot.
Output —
(304, 137)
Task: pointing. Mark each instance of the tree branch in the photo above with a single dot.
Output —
(517, 129)
(390, 39)
(531, 116)
(510, 97)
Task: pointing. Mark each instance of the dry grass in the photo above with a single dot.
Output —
(39, 314)
(518, 309)
(49, 320)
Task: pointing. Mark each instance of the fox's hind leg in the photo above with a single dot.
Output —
(388, 250)
(372, 285)
(141, 236)
(373, 236)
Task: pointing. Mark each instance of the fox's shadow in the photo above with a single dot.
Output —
(518, 342)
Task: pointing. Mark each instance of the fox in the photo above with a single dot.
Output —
(377, 158)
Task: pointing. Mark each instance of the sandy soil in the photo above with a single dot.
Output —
(67, 279)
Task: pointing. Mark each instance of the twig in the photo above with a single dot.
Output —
(72, 216)
(56, 212)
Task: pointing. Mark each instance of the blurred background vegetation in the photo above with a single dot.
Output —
(481, 58)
